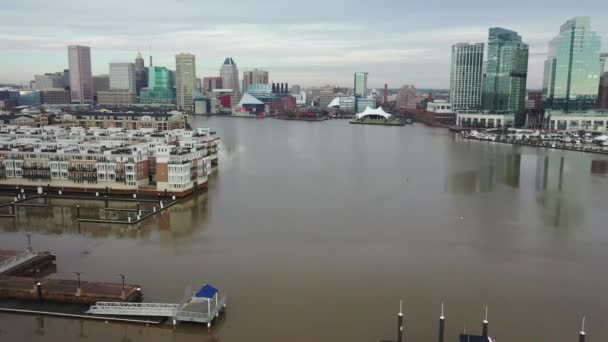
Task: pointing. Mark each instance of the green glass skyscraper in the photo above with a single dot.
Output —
(506, 72)
(160, 86)
(572, 67)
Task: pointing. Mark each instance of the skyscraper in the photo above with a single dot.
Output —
(160, 86)
(466, 75)
(504, 82)
(122, 77)
(230, 75)
(254, 76)
(185, 81)
(141, 77)
(603, 62)
(81, 79)
(572, 68)
(360, 84)
(210, 83)
(49, 81)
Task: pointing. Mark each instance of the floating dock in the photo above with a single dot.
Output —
(203, 307)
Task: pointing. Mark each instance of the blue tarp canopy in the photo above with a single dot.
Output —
(206, 291)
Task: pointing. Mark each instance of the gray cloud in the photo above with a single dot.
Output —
(311, 43)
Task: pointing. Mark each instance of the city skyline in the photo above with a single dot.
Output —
(324, 49)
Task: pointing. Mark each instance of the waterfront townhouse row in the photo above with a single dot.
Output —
(174, 162)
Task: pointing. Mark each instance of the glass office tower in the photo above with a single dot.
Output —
(160, 86)
(506, 72)
(466, 76)
(360, 84)
(572, 68)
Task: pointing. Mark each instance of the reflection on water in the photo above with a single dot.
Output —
(177, 222)
(561, 183)
(599, 167)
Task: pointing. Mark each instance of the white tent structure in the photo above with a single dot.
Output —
(248, 99)
(373, 114)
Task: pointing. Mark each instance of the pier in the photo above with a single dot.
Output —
(135, 214)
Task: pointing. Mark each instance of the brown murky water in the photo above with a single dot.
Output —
(316, 230)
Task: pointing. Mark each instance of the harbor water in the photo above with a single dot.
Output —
(315, 231)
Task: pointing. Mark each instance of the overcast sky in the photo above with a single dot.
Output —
(312, 42)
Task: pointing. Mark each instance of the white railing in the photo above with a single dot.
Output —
(176, 311)
(134, 309)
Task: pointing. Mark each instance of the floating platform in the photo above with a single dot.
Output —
(66, 291)
(205, 306)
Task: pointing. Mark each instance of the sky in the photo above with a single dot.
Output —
(311, 43)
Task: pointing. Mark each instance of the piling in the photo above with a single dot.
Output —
(46, 198)
(137, 208)
(441, 325)
(78, 211)
(105, 200)
(39, 290)
(400, 323)
(13, 212)
(484, 329)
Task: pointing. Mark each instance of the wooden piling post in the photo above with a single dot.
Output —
(484, 328)
(441, 325)
(78, 211)
(400, 323)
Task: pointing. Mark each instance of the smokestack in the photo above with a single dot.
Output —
(385, 93)
(400, 323)
(287, 87)
(484, 329)
(273, 88)
(441, 323)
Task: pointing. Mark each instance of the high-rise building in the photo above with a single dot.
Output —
(506, 72)
(602, 98)
(123, 88)
(81, 79)
(230, 75)
(160, 86)
(49, 81)
(254, 76)
(100, 83)
(141, 77)
(295, 89)
(199, 85)
(406, 99)
(122, 77)
(326, 95)
(185, 81)
(603, 62)
(360, 84)
(572, 68)
(466, 75)
(210, 83)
